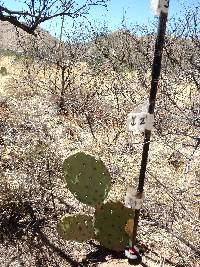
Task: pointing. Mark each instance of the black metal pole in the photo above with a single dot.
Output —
(156, 69)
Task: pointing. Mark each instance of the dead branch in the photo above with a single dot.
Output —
(40, 11)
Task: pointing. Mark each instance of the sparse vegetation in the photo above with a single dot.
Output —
(75, 96)
(3, 71)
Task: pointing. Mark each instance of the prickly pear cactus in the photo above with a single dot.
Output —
(87, 178)
(110, 221)
(129, 227)
(76, 227)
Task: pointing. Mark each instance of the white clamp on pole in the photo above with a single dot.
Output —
(159, 5)
(134, 199)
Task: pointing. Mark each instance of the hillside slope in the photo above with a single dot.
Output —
(13, 38)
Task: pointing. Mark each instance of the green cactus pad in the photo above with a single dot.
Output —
(76, 227)
(110, 221)
(87, 178)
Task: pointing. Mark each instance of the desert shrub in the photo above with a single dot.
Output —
(17, 56)
(3, 71)
(97, 101)
(7, 52)
(95, 61)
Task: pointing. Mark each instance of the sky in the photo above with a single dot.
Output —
(134, 11)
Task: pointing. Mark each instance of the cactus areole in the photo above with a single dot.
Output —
(87, 178)
(110, 223)
(76, 227)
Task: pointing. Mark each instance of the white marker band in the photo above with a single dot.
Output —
(133, 199)
(159, 6)
(139, 122)
(149, 122)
